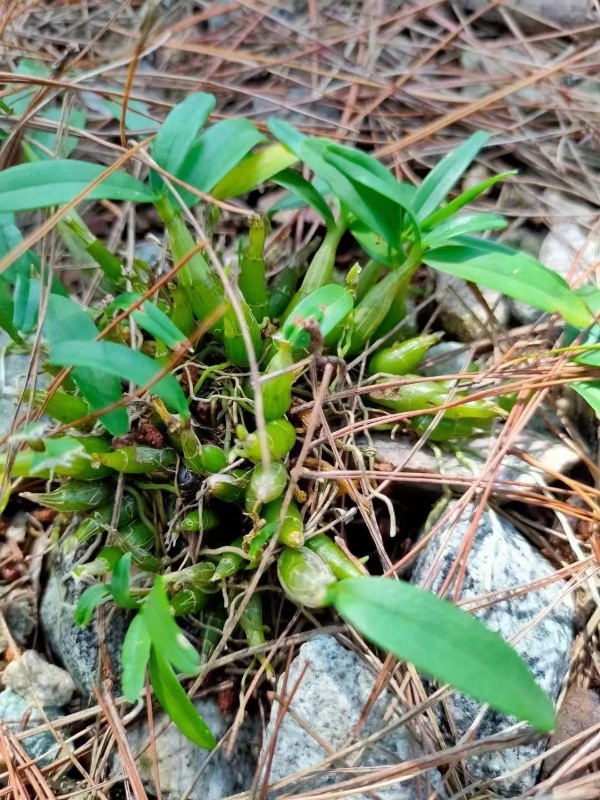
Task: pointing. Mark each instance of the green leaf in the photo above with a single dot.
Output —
(176, 703)
(63, 452)
(120, 583)
(134, 658)
(446, 174)
(445, 212)
(286, 134)
(445, 642)
(65, 321)
(459, 226)
(254, 170)
(7, 311)
(150, 318)
(328, 306)
(515, 274)
(376, 211)
(293, 181)
(178, 132)
(124, 363)
(49, 183)
(373, 244)
(89, 602)
(166, 635)
(220, 148)
(293, 202)
(590, 391)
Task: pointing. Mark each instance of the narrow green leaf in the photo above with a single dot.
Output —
(65, 321)
(446, 174)
(445, 642)
(49, 183)
(134, 658)
(254, 170)
(328, 306)
(7, 311)
(63, 452)
(120, 583)
(218, 150)
(376, 211)
(287, 134)
(166, 635)
(445, 212)
(515, 274)
(590, 391)
(89, 602)
(150, 318)
(124, 363)
(459, 226)
(178, 132)
(373, 244)
(293, 181)
(292, 202)
(176, 703)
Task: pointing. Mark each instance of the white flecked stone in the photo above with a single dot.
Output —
(330, 699)
(501, 558)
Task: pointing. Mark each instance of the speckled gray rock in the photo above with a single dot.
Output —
(12, 379)
(546, 449)
(13, 708)
(330, 698)
(501, 558)
(460, 312)
(564, 13)
(180, 761)
(78, 649)
(32, 676)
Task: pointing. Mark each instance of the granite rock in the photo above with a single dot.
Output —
(531, 13)
(78, 649)
(546, 449)
(330, 698)
(13, 709)
(180, 761)
(31, 676)
(501, 558)
(445, 358)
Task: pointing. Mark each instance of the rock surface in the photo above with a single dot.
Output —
(460, 312)
(501, 558)
(550, 453)
(13, 709)
(31, 676)
(78, 649)
(564, 13)
(180, 761)
(579, 711)
(330, 698)
(445, 358)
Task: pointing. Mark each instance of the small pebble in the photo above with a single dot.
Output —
(31, 676)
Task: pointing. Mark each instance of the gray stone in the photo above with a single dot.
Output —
(13, 708)
(32, 676)
(330, 699)
(13, 371)
(180, 761)
(20, 613)
(501, 558)
(445, 358)
(78, 649)
(469, 462)
(461, 313)
(561, 13)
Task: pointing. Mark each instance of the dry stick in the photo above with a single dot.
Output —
(107, 706)
(478, 105)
